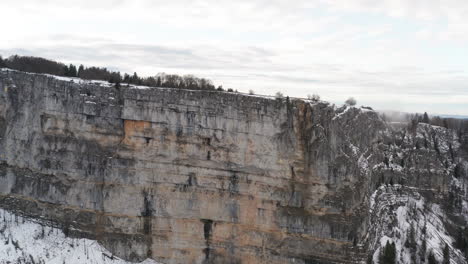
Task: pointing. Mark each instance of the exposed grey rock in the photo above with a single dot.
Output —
(210, 177)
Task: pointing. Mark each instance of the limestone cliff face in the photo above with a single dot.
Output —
(197, 176)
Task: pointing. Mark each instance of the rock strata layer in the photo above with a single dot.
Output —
(184, 176)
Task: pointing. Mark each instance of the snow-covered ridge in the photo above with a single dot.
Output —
(25, 241)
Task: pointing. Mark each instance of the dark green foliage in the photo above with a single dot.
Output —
(431, 259)
(72, 71)
(410, 240)
(126, 78)
(135, 79)
(96, 73)
(2, 62)
(80, 70)
(462, 241)
(422, 250)
(425, 118)
(40, 65)
(36, 65)
(412, 244)
(115, 77)
(388, 254)
(446, 255)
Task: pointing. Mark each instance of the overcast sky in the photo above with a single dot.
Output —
(407, 55)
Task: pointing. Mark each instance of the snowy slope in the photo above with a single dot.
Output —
(396, 211)
(25, 241)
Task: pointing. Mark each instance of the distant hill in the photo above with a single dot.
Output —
(455, 116)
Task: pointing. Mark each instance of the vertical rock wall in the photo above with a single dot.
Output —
(189, 176)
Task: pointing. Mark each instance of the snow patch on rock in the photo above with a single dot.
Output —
(399, 213)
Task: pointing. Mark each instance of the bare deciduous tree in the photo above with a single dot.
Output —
(313, 97)
(351, 101)
(279, 95)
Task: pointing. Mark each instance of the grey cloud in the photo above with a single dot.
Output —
(259, 67)
(252, 63)
(159, 56)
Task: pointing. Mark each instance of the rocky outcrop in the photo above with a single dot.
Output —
(184, 176)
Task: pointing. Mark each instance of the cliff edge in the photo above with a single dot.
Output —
(181, 176)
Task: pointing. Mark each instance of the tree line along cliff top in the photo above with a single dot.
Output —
(45, 66)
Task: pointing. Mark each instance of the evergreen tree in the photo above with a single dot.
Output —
(388, 254)
(72, 72)
(126, 78)
(431, 259)
(40, 65)
(446, 254)
(35, 64)
(80, 70)
(411, 240)
(66, 71)
(2, 62)
(422, 250)
(413, 258)
(115, 77)
(135, 79)
(425, 118)
(459, 242)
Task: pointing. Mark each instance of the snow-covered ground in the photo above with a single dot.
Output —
(25, 241)
(402, 210)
